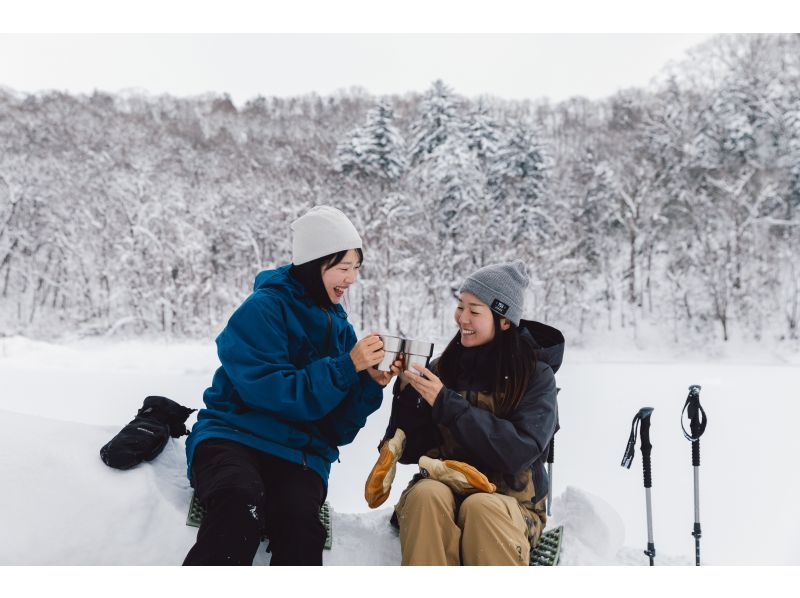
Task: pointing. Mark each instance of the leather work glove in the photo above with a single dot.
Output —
(460, 477)
(379, 481)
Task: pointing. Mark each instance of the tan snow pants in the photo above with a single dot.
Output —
(489, 529)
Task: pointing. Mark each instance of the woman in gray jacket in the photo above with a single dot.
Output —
(479, 423)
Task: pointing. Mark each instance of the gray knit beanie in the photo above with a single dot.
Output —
(501, 287)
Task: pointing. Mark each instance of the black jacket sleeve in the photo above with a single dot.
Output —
(505, 445)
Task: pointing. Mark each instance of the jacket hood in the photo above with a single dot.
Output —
(277, 278)
(281, 280)
(548, 341)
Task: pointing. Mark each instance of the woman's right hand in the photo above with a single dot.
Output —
(426, 383)
(368, 352)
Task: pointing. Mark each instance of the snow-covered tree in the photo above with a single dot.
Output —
(438, 119)
(483, 133)
(517, 181)
(375, 150)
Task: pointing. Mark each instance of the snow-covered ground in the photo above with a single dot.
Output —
(59, 403)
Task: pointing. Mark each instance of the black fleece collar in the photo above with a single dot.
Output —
(476, 367)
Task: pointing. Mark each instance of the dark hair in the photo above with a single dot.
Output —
(514, 366)
(310, 275)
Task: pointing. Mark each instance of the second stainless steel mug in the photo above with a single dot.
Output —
(417, 353)
(413, 352)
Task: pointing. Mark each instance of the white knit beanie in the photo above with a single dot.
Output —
(321, 231)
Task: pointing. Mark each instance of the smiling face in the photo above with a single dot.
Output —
(337, 278)
(475, 321)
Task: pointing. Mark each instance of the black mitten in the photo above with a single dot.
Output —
(147, 434)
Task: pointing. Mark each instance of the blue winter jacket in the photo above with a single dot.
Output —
(287, 385)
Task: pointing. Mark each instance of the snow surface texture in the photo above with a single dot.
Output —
(62, 506)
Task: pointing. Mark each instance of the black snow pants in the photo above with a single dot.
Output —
(247, 493)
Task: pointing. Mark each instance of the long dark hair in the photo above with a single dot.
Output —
(310, 275)
(514, 366)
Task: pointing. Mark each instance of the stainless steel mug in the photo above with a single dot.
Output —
(392, 349)
(417, 353)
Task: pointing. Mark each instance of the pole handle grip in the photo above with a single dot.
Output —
(646, 450)
(640, 420)
(696, 453)
(696, 414)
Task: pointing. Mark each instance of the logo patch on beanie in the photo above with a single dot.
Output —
(499, 307)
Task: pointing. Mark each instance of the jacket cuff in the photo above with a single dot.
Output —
(369, 386)
(345, 371)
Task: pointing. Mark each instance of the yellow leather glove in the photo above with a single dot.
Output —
(460, 477)
(379, 481)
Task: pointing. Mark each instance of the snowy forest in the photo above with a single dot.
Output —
(673, 207)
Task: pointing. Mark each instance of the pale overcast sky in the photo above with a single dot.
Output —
(511, 66)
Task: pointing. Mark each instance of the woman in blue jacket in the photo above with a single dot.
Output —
(292, 387)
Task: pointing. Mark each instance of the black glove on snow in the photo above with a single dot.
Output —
(147, 434)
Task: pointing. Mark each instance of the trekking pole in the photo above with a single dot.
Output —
(697, 425)
(642, 418)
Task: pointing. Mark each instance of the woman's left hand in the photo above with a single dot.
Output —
(427, 384)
